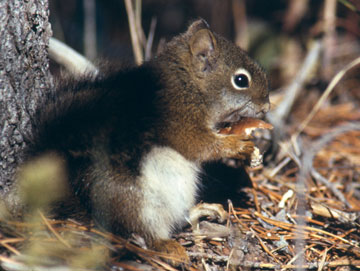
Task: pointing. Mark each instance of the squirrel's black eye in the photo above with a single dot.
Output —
(241, 79)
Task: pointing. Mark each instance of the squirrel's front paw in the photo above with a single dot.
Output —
(234, 146)
(176, 253)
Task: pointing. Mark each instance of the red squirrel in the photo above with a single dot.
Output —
(134, 140)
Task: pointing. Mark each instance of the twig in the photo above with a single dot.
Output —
(70, 59)
(229, 258)
(277, 116)
(163, 264)
(282, 164)
(133, 33)
(89, 28)
(139, 29)
(349, 5)
(326, 94)
(300, 245)
(240, 23)
(150, 39)
(316, 175)
(294, 13)
(288, 226)
(294, 259)
(309, 154)
(10, 248)
(57, 235)
(264, 246)
(329, 38)
(323, 258)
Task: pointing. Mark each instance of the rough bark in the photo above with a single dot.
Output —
(24, 76)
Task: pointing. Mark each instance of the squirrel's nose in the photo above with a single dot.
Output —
(262, 110)
(266, 107)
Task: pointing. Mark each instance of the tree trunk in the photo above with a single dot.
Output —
(24, 76)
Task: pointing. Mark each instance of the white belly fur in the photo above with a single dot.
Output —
(169, 182)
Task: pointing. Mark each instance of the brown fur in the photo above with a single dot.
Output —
(106, 128)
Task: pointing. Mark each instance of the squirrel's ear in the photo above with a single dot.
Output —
(202, 43)
(202, 47)
(201, 40)
(196, 26)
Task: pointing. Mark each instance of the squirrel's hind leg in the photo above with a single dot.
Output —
(154, 203)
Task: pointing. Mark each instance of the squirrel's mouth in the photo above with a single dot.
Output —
(236, 116)
(241, 124)
(245, 127)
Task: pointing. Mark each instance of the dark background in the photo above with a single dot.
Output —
(273, 32)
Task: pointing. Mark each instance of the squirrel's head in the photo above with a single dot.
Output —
(225, 78)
